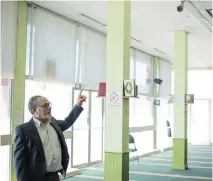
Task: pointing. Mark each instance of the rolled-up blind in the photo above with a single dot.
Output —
(165, 75)
(132, 64)
(9, 17)
(144, 72)
(54, 48)
(91, 57)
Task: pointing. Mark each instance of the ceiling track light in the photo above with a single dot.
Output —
(202, 12)
(158, 50)
(92, 19)
(136, 40)
(197, 10)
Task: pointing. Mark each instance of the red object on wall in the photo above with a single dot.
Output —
(210, 68)
(102, 89)
(4, 82)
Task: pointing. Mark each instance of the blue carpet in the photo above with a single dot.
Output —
(169, 161)
(139, 177)
(193, 151)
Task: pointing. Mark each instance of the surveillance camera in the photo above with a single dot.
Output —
(180, 8)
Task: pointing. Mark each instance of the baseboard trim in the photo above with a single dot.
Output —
(73, 172)
(168, 148)
(156, 151)
(87, 164)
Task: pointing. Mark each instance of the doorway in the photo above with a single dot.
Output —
(87, 136)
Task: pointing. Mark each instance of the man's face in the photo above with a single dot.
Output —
(43, 109)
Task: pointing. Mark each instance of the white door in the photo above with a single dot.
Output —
(200, 119)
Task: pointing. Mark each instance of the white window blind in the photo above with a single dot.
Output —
(54, 53)
(9, 10)
(144, 72)
(91, 58)
(165, 75)
(132, 64)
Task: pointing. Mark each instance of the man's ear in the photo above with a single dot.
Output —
(33, 110)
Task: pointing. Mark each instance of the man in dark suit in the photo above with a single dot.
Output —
(40, 150)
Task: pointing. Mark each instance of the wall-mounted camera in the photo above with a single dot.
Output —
(181, 6)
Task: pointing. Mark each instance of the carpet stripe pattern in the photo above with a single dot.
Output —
(158, 167)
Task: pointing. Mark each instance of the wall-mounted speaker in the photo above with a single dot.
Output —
(158, 81)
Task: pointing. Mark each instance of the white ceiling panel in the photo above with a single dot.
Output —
(152, 22)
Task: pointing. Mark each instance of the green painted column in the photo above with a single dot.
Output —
(116, 165)
(156, 89)
(18, 93)
(180, 108)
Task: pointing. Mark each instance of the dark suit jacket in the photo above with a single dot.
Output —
(29, 158)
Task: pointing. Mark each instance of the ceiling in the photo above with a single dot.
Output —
(152, 25)
(206, 4)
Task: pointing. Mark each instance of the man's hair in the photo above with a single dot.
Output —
(32, 104)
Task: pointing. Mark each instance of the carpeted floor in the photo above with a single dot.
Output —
(157, 167)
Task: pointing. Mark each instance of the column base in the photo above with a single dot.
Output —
(13, 175)
(154, 139)
(116, 166)
(179, 161)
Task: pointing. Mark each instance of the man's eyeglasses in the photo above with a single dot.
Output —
(46, 105)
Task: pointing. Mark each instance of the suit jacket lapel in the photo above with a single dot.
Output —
(57, 129)
(36, 137)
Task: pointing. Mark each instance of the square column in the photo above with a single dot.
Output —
(18, 91)
(180, 108)
(116, 166)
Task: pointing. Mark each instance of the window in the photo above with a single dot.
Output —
(141, 112)
(165, 75)
(199, 83)
(83, 118)
(132, 64)
(144, 72)
(9, 17)
(172, 82)
(5, 163)
(143, 141)
(164, 113)
(96, 128)
(96, 111)
(59, 95)
(92, 58)
(81, 133)
(80, 146)
(5, 95)
(51, 47)
(141, 75)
